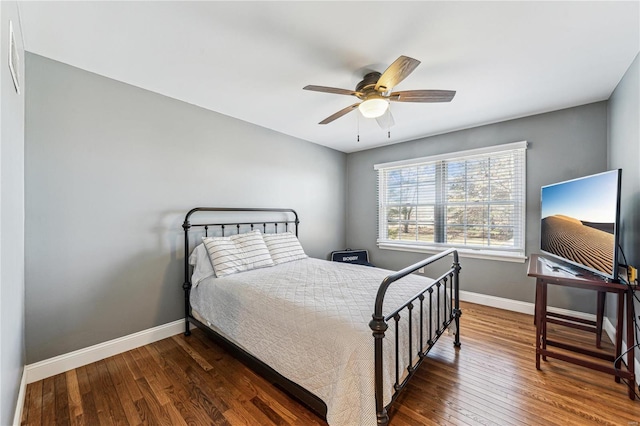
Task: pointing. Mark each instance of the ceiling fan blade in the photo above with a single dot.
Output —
(385, 121)
(397, 71)
(340, 113)
(334, 90)
(423, 96)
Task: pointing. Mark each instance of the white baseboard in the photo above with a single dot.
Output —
(60, 364)
(497, 302)
(609, 328)
(17, 417)
(516, 305)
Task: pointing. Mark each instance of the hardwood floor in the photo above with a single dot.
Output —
(491, 380)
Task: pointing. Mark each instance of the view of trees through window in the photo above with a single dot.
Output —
(473, 201)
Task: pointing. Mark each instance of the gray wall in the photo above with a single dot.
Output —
(12, 281)
(112, 169)
(563, 145)
(624, 153)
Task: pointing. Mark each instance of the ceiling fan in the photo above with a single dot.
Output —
(374, 91)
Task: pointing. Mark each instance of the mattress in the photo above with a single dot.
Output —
(308, 319)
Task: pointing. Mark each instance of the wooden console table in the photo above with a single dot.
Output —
(546, 274)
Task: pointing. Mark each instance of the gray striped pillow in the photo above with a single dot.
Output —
(237, 253)
(284, 247)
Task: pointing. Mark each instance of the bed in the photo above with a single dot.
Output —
(343, 339)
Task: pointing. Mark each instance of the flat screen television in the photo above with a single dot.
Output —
(580, 222)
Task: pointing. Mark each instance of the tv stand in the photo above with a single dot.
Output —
(546, 274)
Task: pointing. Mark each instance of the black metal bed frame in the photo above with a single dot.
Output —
(449, 281)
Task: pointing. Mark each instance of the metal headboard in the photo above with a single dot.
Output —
(225, 225)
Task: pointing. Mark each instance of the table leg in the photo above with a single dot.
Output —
(535, 307)
(630, 343)
(599, 317)
(619, 328)
(537, 316)
(543, 316)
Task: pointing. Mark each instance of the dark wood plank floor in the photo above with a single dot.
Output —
(491, 380)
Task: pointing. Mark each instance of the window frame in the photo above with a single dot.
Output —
(515, 254)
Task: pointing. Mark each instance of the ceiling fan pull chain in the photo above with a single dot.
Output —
(358, 126)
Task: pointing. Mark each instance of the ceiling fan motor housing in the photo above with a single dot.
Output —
(368, 82)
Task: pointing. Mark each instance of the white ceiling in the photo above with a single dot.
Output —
(250, 60)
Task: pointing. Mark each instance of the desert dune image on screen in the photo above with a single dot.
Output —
(578, 220)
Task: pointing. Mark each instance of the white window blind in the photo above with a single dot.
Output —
(472, 199)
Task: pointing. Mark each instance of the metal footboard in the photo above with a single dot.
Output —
(418, 346)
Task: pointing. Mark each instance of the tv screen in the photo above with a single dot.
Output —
(580, 219)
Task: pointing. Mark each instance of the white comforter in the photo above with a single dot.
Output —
(308, 320)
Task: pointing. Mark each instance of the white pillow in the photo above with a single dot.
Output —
(237, 253)
(284, 247)
(202, 267)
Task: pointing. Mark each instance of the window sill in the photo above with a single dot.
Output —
(503, 256)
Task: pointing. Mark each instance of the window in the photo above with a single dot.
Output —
(472, 200)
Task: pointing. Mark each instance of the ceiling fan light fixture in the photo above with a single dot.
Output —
(373, 108)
